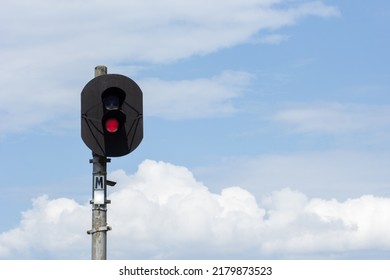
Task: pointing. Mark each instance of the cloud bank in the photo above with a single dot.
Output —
(131, 28)
(49, 48)
(163, 212)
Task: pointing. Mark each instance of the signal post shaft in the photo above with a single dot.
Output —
(99, 208)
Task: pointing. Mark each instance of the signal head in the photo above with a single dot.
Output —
(111, 115)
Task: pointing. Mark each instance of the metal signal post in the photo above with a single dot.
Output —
(99, 199)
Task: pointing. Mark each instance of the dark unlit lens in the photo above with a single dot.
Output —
(111, 102)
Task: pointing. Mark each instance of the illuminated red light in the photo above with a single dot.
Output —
(112, 125)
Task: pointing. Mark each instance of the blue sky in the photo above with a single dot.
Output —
(265, 131)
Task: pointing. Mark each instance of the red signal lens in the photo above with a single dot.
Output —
(112, 125)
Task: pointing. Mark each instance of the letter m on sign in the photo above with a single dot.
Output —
(98, 182)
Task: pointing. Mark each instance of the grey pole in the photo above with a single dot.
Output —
(99, 201)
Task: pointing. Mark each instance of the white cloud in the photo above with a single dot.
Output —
(162, 211)
(199, 98)
(365, 216)
(48, 47)
(52, 228)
